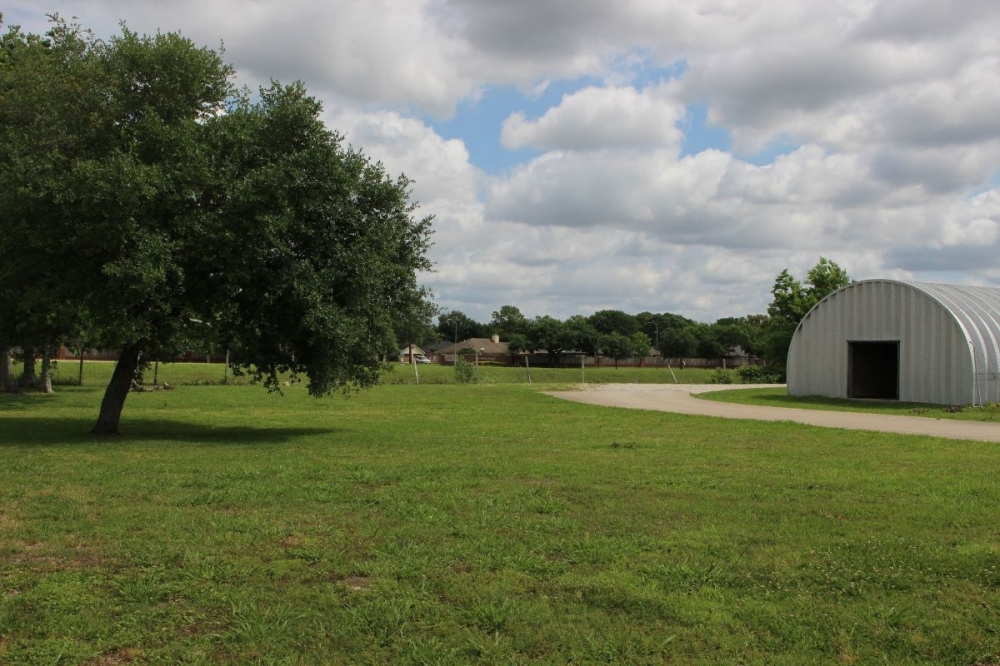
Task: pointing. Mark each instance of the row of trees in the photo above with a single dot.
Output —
(619, 335)
(150, 206)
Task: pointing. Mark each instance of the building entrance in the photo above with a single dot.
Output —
(873, 370)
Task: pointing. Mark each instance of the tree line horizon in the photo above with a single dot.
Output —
(618, 335)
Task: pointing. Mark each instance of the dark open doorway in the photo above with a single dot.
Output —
(873, 370)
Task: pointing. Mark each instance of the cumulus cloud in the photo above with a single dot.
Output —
(594, 118)
(885, 112)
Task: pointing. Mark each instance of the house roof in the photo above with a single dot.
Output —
(485, 345)
(415, 350)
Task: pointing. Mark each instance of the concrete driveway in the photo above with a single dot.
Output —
(679, 398)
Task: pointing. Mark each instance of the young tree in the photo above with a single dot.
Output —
(181, 206)
(792, 300)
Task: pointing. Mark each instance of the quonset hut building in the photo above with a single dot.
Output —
(899, 340)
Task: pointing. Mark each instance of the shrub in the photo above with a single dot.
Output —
(761, 374)
(465, 372)
(721, 376)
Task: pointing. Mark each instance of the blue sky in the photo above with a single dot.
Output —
(478, 121)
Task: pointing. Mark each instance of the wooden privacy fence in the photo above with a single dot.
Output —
(189, 356)
(542, 360)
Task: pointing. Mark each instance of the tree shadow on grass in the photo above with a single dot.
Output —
(36, 431)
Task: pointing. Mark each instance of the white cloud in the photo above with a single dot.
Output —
(595, 118)
(886, 110)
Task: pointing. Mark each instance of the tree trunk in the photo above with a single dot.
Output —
(45, 381)
(28, 370)
(117, 391)
(6, 371)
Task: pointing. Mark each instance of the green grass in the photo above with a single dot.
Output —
(492, 374)
(97, 373)
(778, 397)
(483, 524)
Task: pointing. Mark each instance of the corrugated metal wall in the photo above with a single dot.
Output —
(949, 340)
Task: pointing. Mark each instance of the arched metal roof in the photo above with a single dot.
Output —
(976, 310)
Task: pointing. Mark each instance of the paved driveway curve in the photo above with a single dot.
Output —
(679, 398)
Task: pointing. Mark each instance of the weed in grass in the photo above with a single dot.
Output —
(490, 616)
(686, 578)
(384, 619)
(430, 651)
(491, 649)
(624, 646)
(258, 624)
(144, 586)
(543, 502)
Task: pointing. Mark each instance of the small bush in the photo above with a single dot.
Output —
(465, 372)
(751, 374)
(761, 374)
(721, 376)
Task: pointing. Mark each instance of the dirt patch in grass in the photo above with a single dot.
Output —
(7, 521)
(123, 656)
(358, 583)
(538, 482)
(33, 554)
(292, 541)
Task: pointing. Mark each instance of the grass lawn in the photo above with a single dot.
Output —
(778, 397)
(448, 524)
(97, 373)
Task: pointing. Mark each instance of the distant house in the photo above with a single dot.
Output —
(489, 347)
(408, 354)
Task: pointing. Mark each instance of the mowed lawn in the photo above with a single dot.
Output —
(778, 397)
(449, 524)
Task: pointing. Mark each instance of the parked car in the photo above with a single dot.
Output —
(422, 359)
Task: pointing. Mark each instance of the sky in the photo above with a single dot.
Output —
(662, 156)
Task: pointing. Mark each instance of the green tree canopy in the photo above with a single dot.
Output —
(793, 299)
(507, 321)
(614, 321)
(552, 335)
(679, 342)
(618, 346)
(456, 322)
(181, 205)
(581, 336)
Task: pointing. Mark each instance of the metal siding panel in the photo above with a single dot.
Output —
(944, 332)
(976, 313)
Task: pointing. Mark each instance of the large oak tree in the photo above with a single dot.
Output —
(168, 208)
